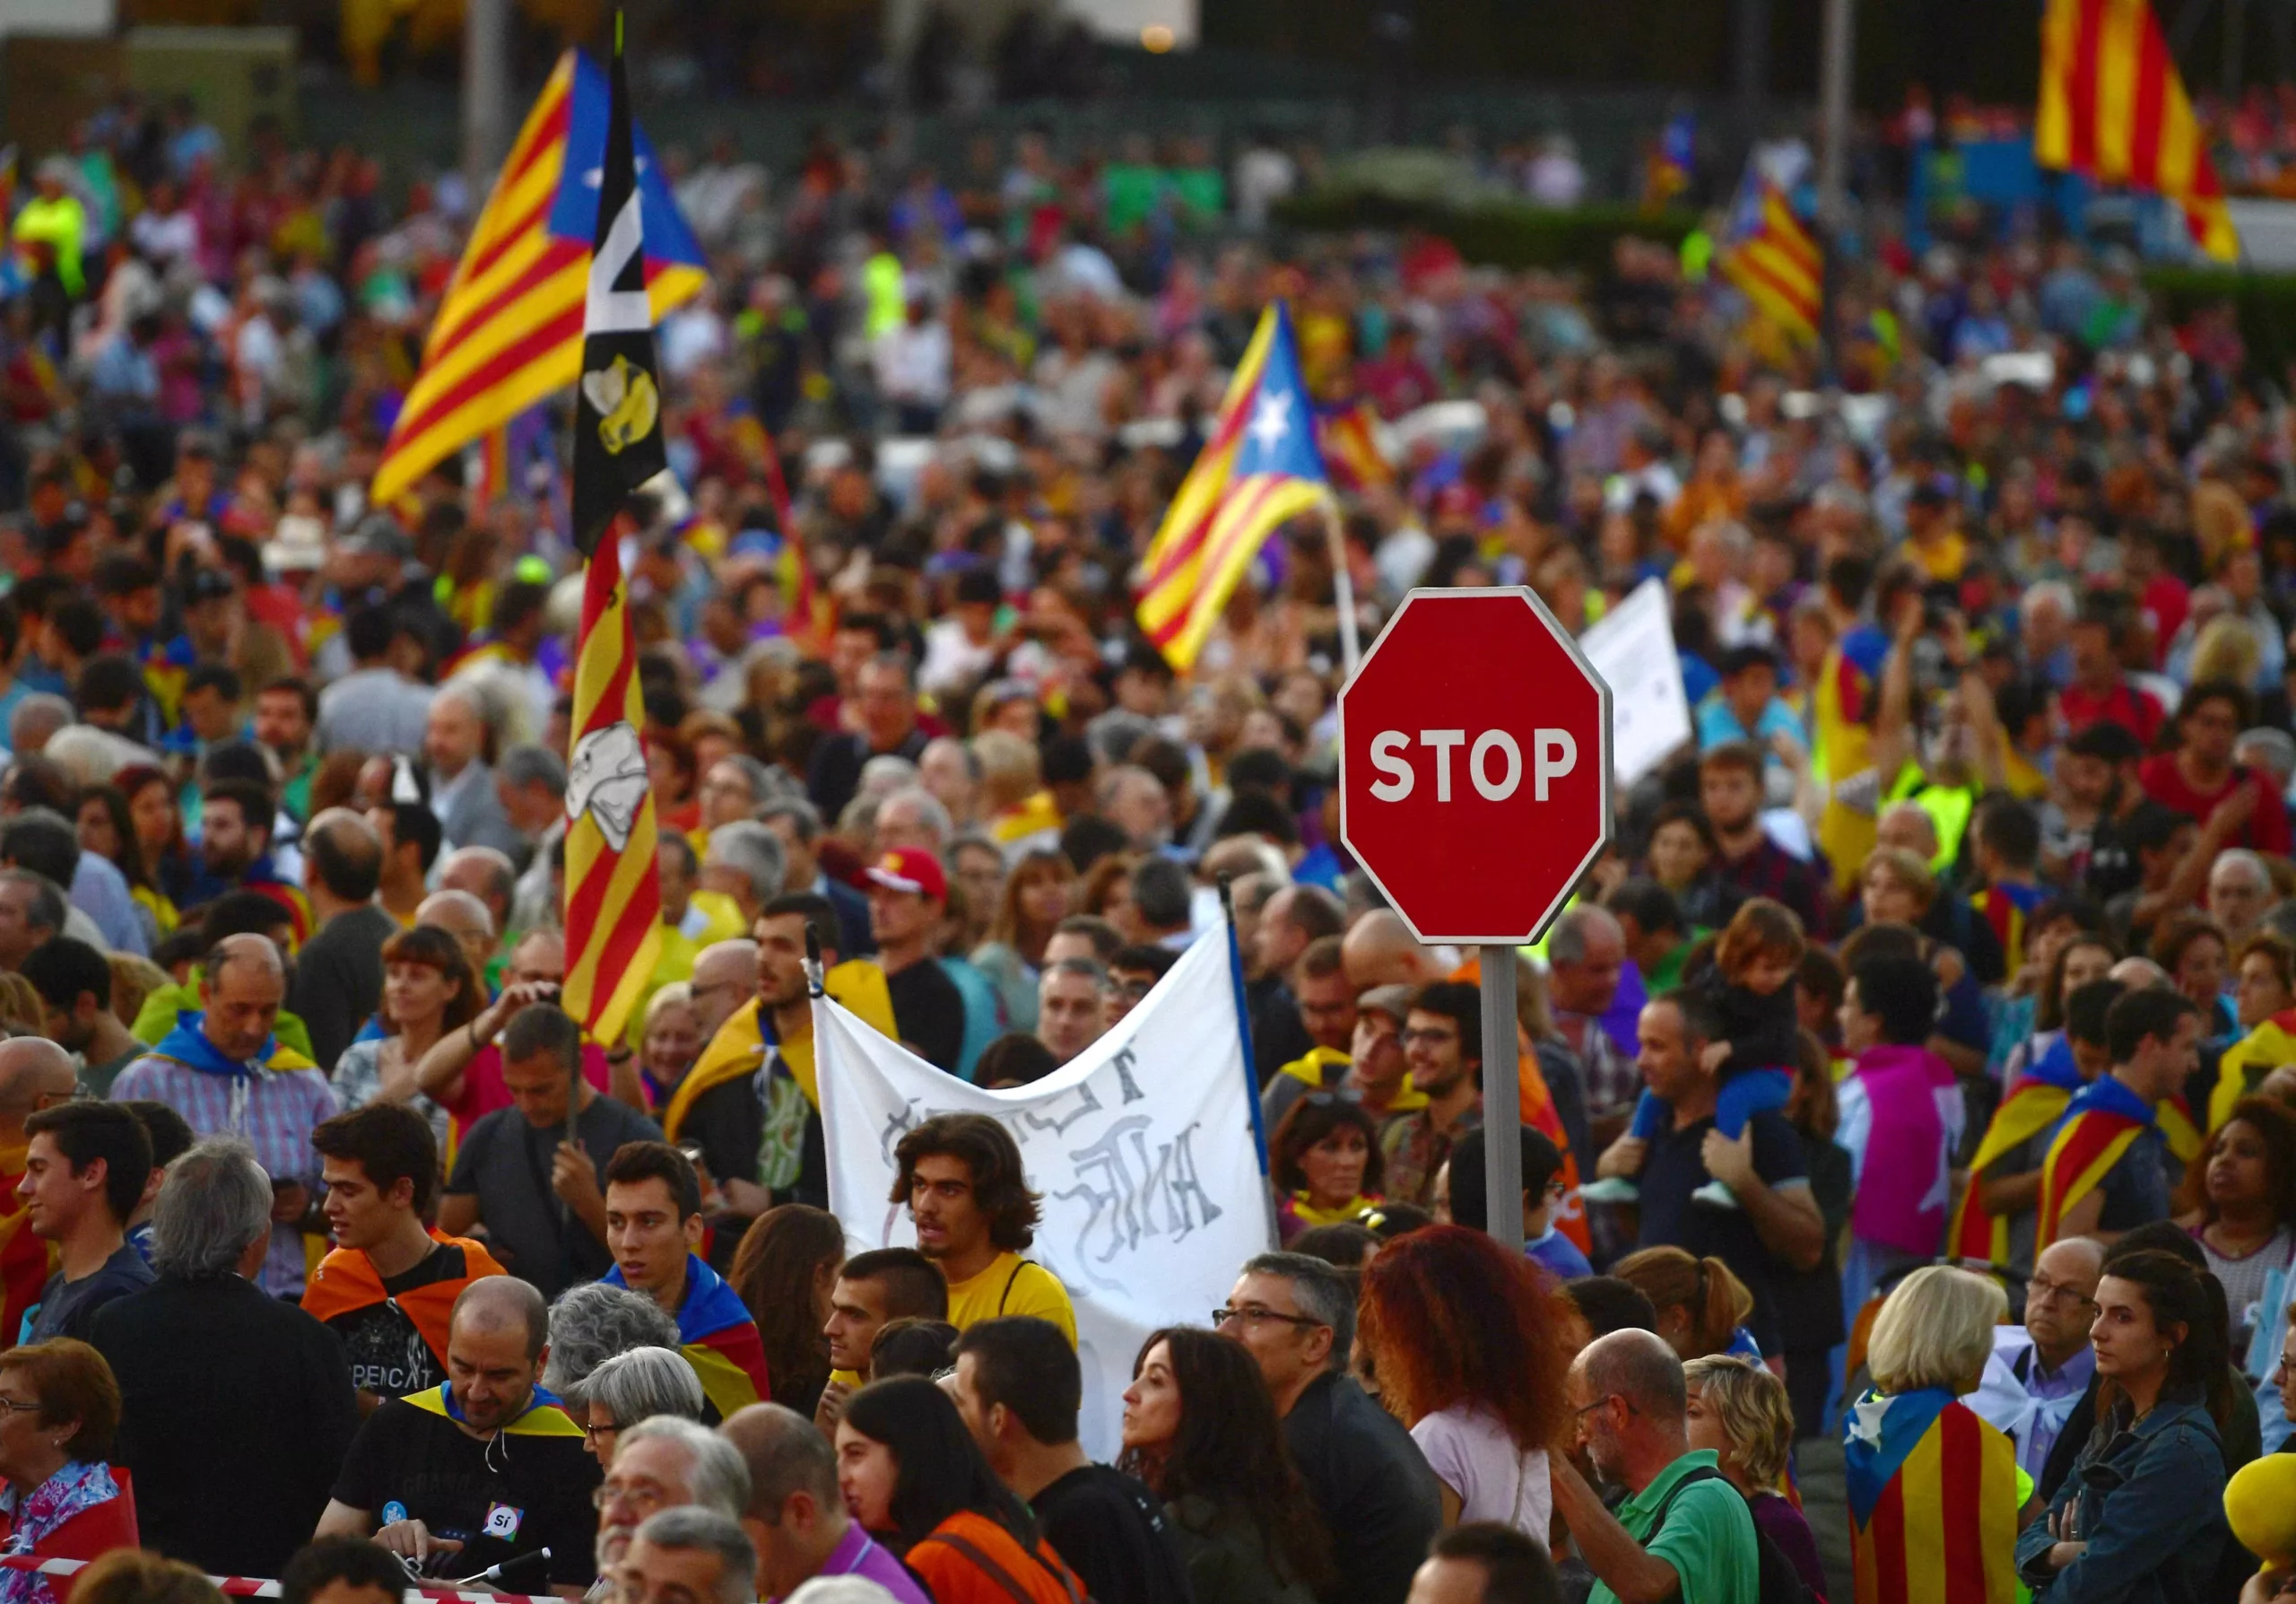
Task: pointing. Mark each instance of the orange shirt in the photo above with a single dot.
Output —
(954, 1577)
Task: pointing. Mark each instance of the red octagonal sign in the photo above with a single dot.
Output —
(1474, 764)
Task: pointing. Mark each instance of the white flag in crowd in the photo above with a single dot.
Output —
(1141, 1148)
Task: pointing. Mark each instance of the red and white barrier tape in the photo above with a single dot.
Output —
(252, 1587)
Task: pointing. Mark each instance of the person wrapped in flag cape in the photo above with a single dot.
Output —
(1932, 1489)
(2109, 1163)
(751, 1101)
(652, 1225)
(2001, 1184)
(488, 1460)
(2244, 1065)
(390, 1286)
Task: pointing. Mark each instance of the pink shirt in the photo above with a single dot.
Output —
(483, 1090)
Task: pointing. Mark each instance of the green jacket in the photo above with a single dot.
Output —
(158, 1015)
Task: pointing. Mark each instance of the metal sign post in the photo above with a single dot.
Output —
(1503, 1100)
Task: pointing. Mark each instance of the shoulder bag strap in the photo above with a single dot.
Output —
(1005, 1296)
(997, 1572)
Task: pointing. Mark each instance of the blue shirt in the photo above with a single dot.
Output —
(1719, 725)
(1559, 1254)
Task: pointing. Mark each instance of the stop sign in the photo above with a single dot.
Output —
(1474, 764)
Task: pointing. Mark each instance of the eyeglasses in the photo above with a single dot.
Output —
(644, 1498)
(16, 1405)
(2038, 1289)
(595, 1430)
(1255, 1315)
(1431, 1037)
(1584, 1410)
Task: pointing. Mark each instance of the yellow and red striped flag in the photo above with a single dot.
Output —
(1772, 258)
(510, 329)
(2113, 108)
(1259, 468)
(614, 884)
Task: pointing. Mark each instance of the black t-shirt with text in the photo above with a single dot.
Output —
(499, 1499)
(388, 1354)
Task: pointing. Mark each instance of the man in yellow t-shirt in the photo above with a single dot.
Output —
(960, 1176)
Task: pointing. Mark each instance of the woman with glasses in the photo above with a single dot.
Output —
(59, 1408)
(1034, 901)
(1326, 1164)
(2142, 1518)
(1465, 1344)
(914, 1478)
(1201, 1430)
(635, 1386)
(2241, 1206)
(1934, 1491)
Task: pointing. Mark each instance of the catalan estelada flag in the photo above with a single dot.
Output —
(613, 886)
(2247, 1062)
(2113, 108)
(1933, 1502)
(2102, 1121)
(2037, 1103)
(1259, 468)
(1772, 258)
(510, 329)
(2006, 907)
(719, 1338)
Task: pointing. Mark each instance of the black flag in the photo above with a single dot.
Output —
(618, 403)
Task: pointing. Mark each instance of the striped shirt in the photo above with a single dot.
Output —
(275, 1111)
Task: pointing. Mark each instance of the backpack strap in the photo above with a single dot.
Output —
(1703, 1473)
(1005, 1296)
(997, 1574)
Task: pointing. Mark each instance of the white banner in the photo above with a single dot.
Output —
(1632, 648)
(1141, 1148)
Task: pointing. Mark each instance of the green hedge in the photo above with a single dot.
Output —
(2265, 302)
(1502, 233)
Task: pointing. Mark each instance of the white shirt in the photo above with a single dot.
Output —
(1495, 1480)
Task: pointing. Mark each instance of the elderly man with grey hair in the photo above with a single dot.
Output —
(913, 817)
(668, 1463)
(530, 784)
(1584, 957)
(456, 740)
(687, 1556)
(744, 863)
(237, 1409)
(37, 720)
(219, 1069)
(2239, 893)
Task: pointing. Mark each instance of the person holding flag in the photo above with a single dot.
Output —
(2108, 1165)
(614, 889)
(1259, 470)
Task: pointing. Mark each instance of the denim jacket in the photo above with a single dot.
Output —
(2151, 1497)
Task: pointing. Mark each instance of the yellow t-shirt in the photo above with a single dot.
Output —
(1012, 1285)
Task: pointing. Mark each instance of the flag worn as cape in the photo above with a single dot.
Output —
(2247, 1062)
(2038, 1103)
(544, 1415)
(1933, 1502)
(739, 1046)
(2101, 1122)
(719, 1338)
(346, 1280)
(187, 1044)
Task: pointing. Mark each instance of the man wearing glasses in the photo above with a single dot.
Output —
(1366, 1479)
(2049, 1362)
(1442, 1043)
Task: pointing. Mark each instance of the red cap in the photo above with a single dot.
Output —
(910, 868)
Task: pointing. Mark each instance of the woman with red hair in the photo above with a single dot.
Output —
(1463, 1337)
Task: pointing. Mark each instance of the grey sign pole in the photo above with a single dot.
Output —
(1502, 1107)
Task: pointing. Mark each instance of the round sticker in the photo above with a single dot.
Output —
(394, 1513)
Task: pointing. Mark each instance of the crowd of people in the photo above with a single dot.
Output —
(1961, 928)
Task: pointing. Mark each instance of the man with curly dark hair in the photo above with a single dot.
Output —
(960, 1176)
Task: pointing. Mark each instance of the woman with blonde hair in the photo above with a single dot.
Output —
(1741, 1411)
(1896, 887)
(1033, 903)
(2226, 650)
(1925, 1471)
(1703, 1307)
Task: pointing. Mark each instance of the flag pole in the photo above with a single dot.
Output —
(1342, 591)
